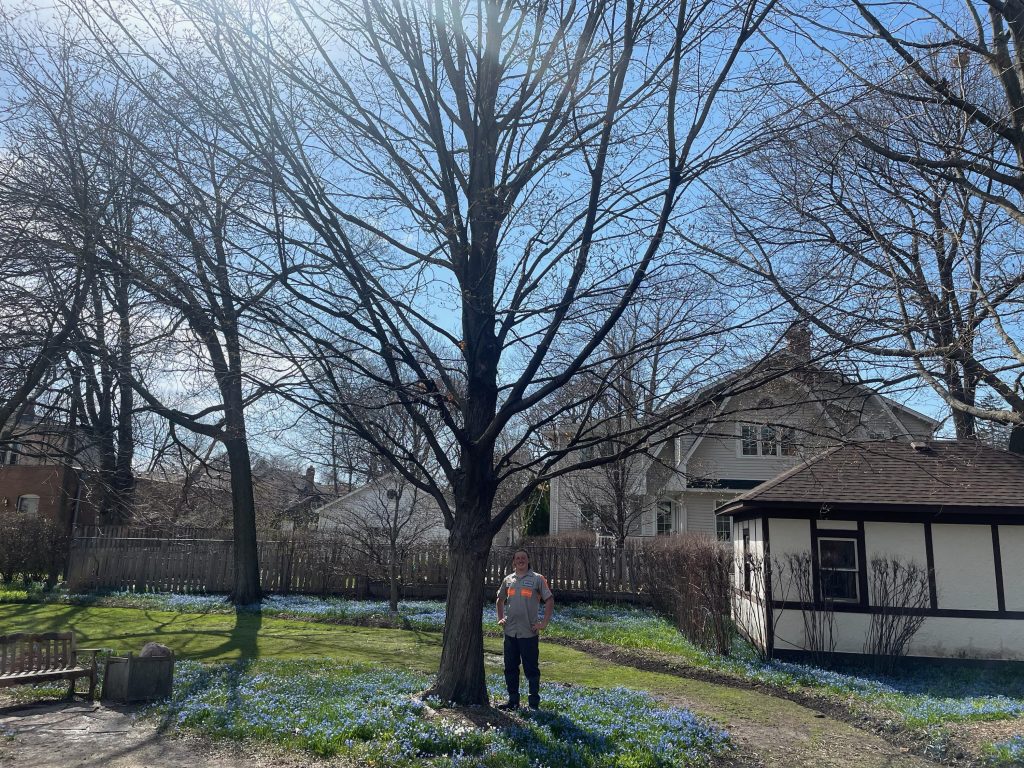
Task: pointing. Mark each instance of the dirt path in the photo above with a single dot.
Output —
(775, 728)
(83, 734)
(777, 733)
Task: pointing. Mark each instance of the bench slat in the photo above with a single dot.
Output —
(27, 657)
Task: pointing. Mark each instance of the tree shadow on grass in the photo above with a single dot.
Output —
(242, 639)
(565, 745)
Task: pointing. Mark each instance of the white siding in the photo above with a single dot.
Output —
(938, 637)
(964, 568)
(970, 638)
(965, 575)
(901, 540)
(700, 512)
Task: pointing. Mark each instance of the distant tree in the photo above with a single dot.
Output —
(894, 217)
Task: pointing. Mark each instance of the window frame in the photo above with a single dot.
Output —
(27, 497)
(748, 561)
(856, 538)
(12, 455)
(658, 509)
(719, 521)
(767, 440)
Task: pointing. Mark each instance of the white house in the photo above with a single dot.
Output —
(382, 506)
(955, 509)
(749, 428)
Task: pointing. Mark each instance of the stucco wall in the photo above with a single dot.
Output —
(749, 610)
(964, 577)
(1011, 547)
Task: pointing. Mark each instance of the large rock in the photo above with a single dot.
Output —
(155, 650)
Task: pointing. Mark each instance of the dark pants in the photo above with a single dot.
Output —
(527, 651)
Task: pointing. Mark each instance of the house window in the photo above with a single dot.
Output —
(787, 442)
(748, 440)
(723, 525)
(766, 440)
(11, 457)
(587, 452)
(838, 569)
(28, 504)
(588, 516)
(748, 560)
(664, 517)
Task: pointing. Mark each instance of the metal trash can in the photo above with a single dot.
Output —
(129, 679)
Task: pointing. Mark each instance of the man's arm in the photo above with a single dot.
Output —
(499, 606)
(549, 608)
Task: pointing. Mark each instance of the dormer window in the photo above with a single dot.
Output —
(766, 439)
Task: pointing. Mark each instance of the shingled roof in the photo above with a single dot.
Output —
(940, 476)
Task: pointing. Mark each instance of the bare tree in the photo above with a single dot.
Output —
(909, 220)
(50, 215)
(386, 525)
(905, 266)
(486, 187)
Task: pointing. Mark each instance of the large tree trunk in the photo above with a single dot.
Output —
(461, 678)
(247, 570)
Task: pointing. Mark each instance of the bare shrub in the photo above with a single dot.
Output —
(819, 618)
(32, 547)
(688, 578)
(900, 594)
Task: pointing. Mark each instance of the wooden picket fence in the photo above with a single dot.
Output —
(196, 560)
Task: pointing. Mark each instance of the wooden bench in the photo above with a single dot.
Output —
(38, 658)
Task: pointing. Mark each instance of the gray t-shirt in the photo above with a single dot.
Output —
(523, 595)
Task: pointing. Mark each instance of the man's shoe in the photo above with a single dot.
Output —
(508, 706)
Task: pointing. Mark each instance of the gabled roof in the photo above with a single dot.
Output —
(785, 365)
(940, 476)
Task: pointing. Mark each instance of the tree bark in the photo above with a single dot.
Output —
(247, 571)
(461, 678)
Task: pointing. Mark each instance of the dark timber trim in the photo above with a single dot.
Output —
(943, 613)
(769, 602)
(997, 557)
(876, 512)
(929, 553)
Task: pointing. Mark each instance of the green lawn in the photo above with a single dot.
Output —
(225, 637)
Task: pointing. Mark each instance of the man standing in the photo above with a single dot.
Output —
(519, 599)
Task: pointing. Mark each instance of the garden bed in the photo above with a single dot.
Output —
(960, 718)
(374, 716)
